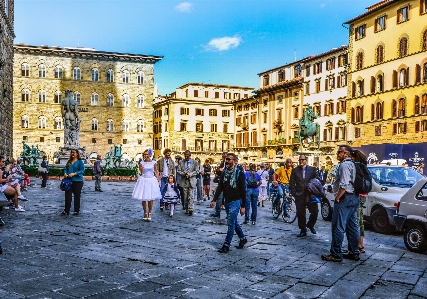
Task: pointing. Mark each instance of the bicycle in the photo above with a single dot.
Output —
(286, 206)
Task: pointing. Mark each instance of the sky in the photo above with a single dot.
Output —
(205, 41)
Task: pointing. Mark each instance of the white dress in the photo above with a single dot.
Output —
(147, 187)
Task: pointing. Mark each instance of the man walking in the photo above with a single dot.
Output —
(323, 174)
(97, 173)
(344, 219)
(232, 184)
(300, 177)
(166, 167)
(188, 169)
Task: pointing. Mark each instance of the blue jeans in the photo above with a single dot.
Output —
(232, 209)
(344, 221)
(251, 201)
(281, 189)
(164, 181)
(198, 191)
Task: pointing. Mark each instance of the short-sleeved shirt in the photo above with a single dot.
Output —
(257, 177)
(284, 175)
(264, 175)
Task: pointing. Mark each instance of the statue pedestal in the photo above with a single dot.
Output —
(63, 155)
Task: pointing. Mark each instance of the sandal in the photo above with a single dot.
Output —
(149, 217)
(65, 213)
(362, 249)
(145, 217)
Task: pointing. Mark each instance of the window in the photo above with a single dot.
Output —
(342, 60)
(379, 110)
(42, 122)
(403, 47)
(423, 7)
(332, 82)
(425, 72)
(58, 97)
(399, 128)
(110, 100)
(297, 70)
(110, 125)
(225, 113)
(199, 127)
(140, 78)
(357, 132)
(214, 128)
(94, 99)
(403, 14)
(95, 74)
(140, 126)
(216, 95)
(401, 107)
(125, 100)
(125, 126)
(213, 112)
(380, 83)
(296, 114)
(360, 88)
(307, 70)
(380, 54)
(199, 112)
(25, 70)
(206, 94)
(281, 75)
(94, 124)
(236, 96)
(225, 128)
(42, 71)
(76, 73)
(110, 75)
(359, 114)
(58, 72)
(199, 144)
(25, 95)
(307, 88)
(317, 86)
(140, 101)
(265, 80)
(424, 46)
(77, 97)
(378, 130)
(317, 68)
(359, 60)
(125, 141)
(185, 111)
(330, 63)
(360, 32)
(343, 80)
(42, 96)
(25, 121)
(58, 139)
(380, 23)
(125, 77)
(403, 77)
(183, 126)
(58, 123)
(196, 93)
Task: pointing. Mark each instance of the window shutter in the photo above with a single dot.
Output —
(352, 115)
(394, 129)
(418, 74)
(394, 108)
(337, 133)
(361, 113)
(417, 126)
(326, 84)
(331, 108)
(407, 77)
(394, 79)
(372, 111)
(353, 89)
(417, 105)
(382, 83)
(382, 110)
(362, 87)
(325, 110)
(404, 127)
(338, 81)
(338, 107)
(325, 134)
(372, 84)
(344, 108)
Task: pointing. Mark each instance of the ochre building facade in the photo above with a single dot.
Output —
(115, 92)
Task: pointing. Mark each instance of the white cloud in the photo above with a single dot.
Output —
(184, 7)
(223, 43)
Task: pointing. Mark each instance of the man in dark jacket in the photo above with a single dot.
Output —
(97, 173)
(301, 175)
(323, 174)
(233, 183)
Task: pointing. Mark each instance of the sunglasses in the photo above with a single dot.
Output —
(339, 152)
(302, 159)
(228, 159)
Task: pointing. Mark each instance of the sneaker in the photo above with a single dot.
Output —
(19, 209)
(242, 243)
(224, 249)
(22, 197)
(253, 222)
(350, 256)
(331, 258)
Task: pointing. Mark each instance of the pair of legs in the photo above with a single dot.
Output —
(281, 189)
(206, 189)
(360, 222)
(251, 202)
(188, 198)
(198, 192)
(98, 180)
(76, 190)
(232, 209)
(163, 181)
(17, 188)
(313, 208)
(44, 179)
(262, 194)
(147, 215)
(9, 191)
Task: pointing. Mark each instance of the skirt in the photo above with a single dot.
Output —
(170, 199)
(146, 189)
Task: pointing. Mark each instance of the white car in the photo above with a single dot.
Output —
(390, 183)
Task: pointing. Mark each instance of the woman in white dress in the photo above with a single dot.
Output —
(147, 188)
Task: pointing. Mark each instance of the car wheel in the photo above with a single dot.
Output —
(326, 210)
(380, 223)
(415, 238)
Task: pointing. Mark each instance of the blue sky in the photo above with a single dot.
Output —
(207, 41)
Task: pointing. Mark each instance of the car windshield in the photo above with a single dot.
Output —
(403, 177)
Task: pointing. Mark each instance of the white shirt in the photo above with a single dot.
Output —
(165, 173)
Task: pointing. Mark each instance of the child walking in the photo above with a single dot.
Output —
(171, 194)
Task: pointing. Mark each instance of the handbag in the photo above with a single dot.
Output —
(66, 184)
(42, 169)
(216, 179)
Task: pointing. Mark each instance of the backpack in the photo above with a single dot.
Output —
(363, 181)
(252, 181)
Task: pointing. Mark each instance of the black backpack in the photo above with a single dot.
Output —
(363, 182)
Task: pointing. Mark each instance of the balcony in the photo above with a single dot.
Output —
(198, 149)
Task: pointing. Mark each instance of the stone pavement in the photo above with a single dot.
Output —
(109, 252)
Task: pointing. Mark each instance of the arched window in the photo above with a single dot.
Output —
(58, 72)
(76, 73)
(403, 47)
(25, 95)
(380, 83)
(359, 114)
(380, 54)
(403, 77)
(360, 88)
(110, 100)
(42, 96)
(25, 121)
(140, 101)
(95, 124)
(125, 76)
(359, 60)
(125, 100)
(42, 71)
(110, 75)
(58, 123)
(77, 97)
(401, 107)
(42, 122)
(140, 126)
(58, 97)
(110, 125)
(379, 110)
(95, 74)
(25, 70)
(140, 77)
(125, 126)
(94, 99)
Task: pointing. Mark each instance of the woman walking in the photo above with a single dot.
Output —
(45, 165)
(207, 170)
(74, 170)
(147, 188)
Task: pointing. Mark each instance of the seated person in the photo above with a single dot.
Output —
(25, 179)
(8, 190)
(14, 182)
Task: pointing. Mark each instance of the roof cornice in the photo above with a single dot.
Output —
(374, 9)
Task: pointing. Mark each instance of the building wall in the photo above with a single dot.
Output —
(96, 140)
(6, 76)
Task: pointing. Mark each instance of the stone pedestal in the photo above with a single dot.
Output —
(63, 155)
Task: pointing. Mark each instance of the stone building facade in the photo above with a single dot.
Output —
(6, 76)
(387, 92)
(115, 92)
(198, 117)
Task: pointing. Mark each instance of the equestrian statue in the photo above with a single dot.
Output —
(308, 128)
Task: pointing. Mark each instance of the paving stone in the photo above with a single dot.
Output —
(420, 289)
(402, 277)
(302, 290)
(384, 289)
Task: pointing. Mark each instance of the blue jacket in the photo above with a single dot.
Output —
(77, 167)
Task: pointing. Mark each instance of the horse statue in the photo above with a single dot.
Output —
(308, 128)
